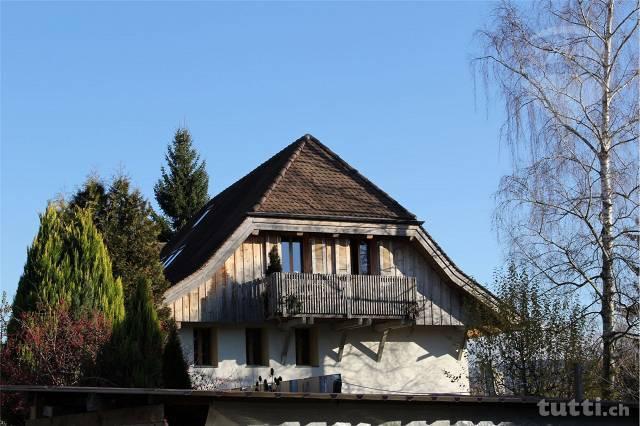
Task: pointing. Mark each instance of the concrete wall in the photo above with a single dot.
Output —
(414, 359)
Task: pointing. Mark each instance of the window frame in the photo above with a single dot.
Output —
(263, 349)
(212, 337)
(354, 247)
(289, 241)
(308, 337)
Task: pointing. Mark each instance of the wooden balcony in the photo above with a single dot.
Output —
(340, 296)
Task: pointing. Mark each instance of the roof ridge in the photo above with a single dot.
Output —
(302, 141)
(186, 230)
(359, 175)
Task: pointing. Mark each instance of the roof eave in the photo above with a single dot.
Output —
(398, 221)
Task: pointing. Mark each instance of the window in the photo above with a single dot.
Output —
(256, 347)
(291, 255)
(205, 351)
(306, 347)
(360, 257)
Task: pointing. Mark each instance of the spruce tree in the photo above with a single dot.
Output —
(175, 372)
(182, 189)
(130, 232)
(133, 356)
(68, 262)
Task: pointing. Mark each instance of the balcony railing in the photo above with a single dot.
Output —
(340, 296)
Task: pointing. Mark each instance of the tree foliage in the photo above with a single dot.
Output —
(275, 265)
(182, 189)
(53, 346)
(541, 336)
(133, 357)
(126, 221)
(68, 262)
(567, 72)
(175, 372)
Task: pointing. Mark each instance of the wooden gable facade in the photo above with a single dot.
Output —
(218, 261)
(234, 293)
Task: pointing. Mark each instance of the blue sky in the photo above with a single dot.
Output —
(100, 87)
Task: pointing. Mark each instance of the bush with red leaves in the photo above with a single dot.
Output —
(54, 347)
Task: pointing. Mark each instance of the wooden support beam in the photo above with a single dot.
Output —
(343, 341)
(383, 340)
(295, 322)
(255, 232)
(390, 325)
(353, 323)
(463, 346)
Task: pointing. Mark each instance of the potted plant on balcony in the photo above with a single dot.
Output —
(275, 265)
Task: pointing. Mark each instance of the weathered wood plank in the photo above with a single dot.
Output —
(194, 305)
(247, 256)
(445, 304)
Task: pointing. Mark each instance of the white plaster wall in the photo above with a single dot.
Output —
(414, 359)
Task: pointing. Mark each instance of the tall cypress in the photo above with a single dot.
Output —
(133, 357)
(182, 189)
(174, 367)
(69, 262)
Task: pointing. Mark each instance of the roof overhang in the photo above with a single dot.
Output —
(334, 226)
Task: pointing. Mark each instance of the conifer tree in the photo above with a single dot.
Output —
(275, 265)
(174, 367)
(125, 219)
(92, 197)
(133, 356)
(182, 189)
(68, 262)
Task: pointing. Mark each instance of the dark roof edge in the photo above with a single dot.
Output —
(336, 218)
(459, 270)
(360, 175)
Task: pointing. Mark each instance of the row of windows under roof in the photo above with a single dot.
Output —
(292, 250)
(205, 347)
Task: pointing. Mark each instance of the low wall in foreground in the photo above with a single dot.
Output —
(111, 406)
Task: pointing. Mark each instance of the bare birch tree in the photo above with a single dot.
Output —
(568, 74)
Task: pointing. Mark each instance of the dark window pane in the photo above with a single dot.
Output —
(364, 258)
(196, 346)
(254, 346)
(206, 346)
(296, 246)
(353, 247)
(303, 346)
(202, 346)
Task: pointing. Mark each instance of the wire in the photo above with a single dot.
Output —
(400, 392)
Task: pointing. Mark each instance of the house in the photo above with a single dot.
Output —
(364, 291)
